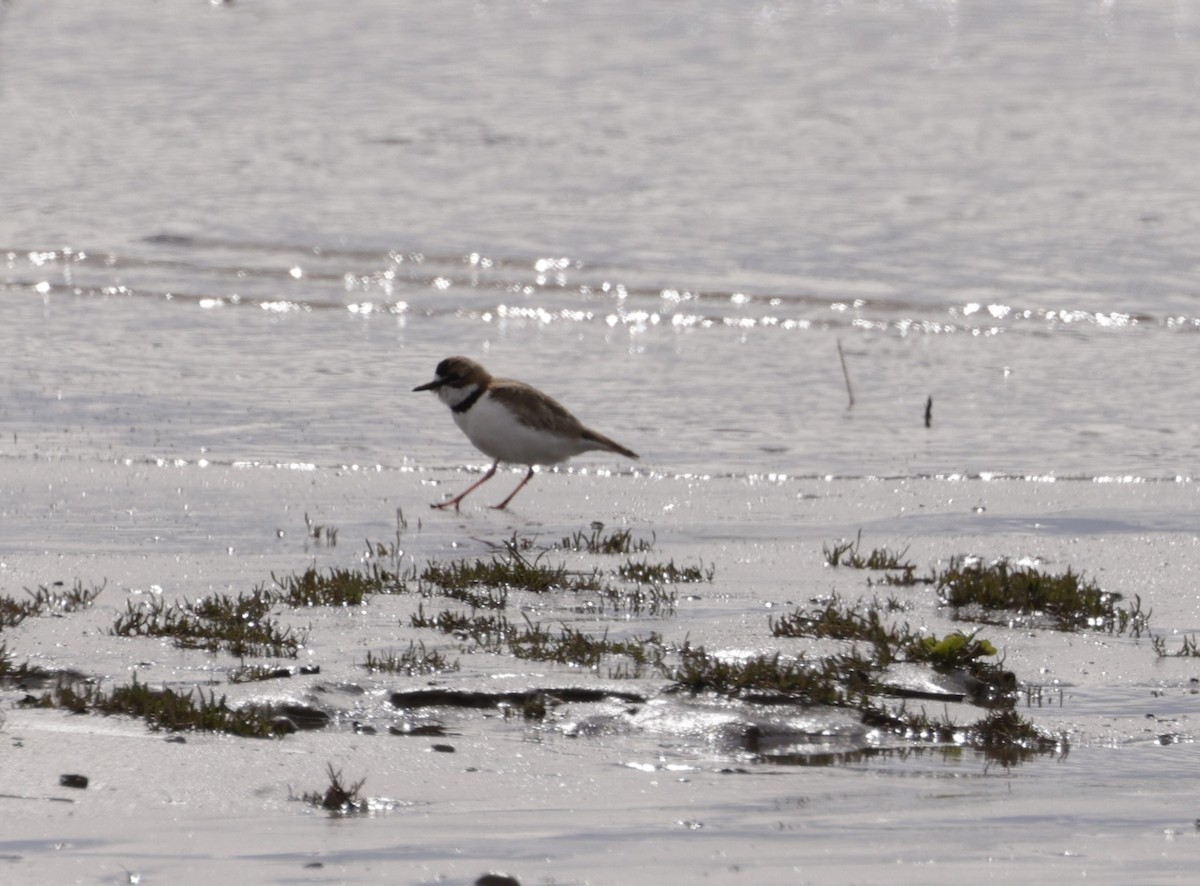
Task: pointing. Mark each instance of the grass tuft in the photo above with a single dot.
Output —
(646, 572)
(1008, 738)
(47, 600)
(1189, 647)
(1068, 601)
(534, 642)
(649, 600)
(513, 572)
(320, 534)
(159, 708)
(336, 587)
(14, 673)
(848, 553)
(413, 661)
(838, 620)
(822, 682)
(619, 541)
(340, 797)
(238, 625)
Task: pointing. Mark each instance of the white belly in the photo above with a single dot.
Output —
(495, 432)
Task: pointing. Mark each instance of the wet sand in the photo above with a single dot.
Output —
(549, 802)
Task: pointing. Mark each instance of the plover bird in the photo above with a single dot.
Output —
(511, 421)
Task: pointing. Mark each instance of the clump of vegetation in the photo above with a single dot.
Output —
(477, 596)
(889, 642)
(159, 708)
(238, 625)
(848, 553)
(514, 571)
(320, 534)
(241, 626)
(650, 600)
(486, 632)
(340, 797)
(959, 652)
(646, 572)
(897, 570)
(1002, 736)
(47, 599)
(978, 590)
(18, 673)
(1066, 600)
(838, 620)
(834, 680)
(487, 583)
(1189, 647)
(1008, 738)
(577, 648)
(847, 681)
(956, 650)
(415, 660)
(336, 587)
(534, 642)
(55, 600)
(597, 541)
(13, 612)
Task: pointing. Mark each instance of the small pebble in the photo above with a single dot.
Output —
(73, 781)
(497, 880)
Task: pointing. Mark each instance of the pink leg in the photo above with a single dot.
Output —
(511, 495)
(454, 501)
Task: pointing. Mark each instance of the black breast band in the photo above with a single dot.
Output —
(469, 402)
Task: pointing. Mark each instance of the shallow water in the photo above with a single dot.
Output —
(233, 237)
(977, 220)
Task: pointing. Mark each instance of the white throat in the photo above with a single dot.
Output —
(452, 396)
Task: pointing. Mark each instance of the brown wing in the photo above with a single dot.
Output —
(535, 409)
(538, 410)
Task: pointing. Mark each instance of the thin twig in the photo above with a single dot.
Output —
(846, 373)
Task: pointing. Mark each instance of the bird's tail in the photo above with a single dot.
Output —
(602, 442)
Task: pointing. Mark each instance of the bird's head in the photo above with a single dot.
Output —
(455, 374)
